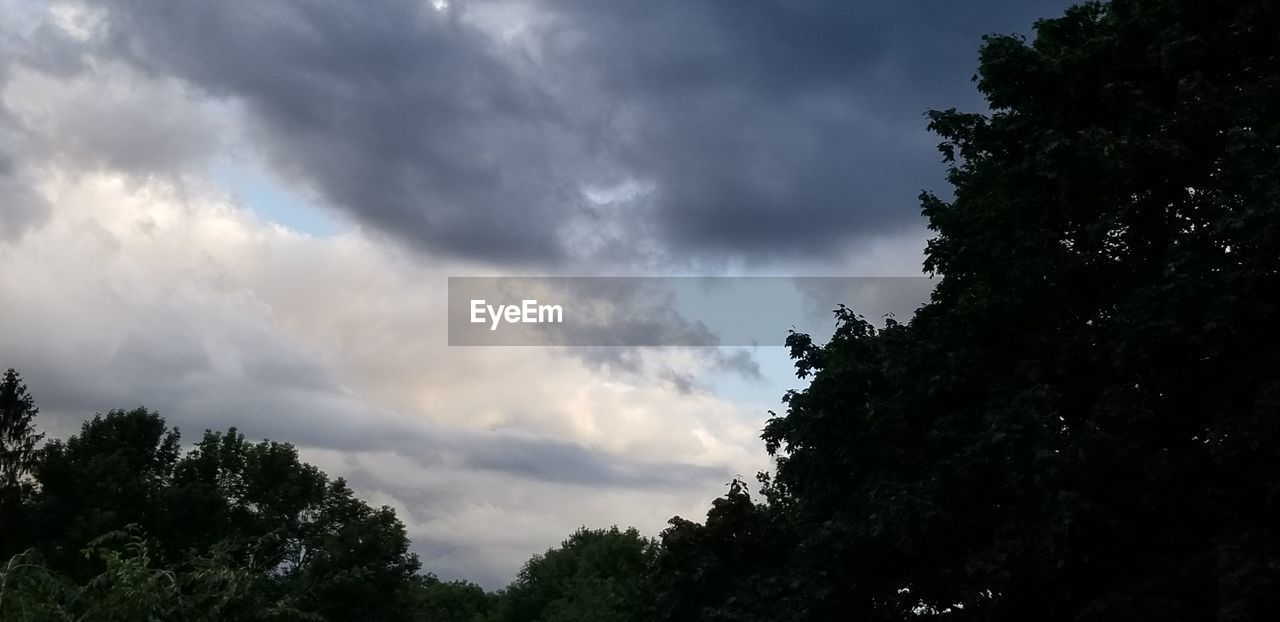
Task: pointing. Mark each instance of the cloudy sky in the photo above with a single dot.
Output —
(245, 213)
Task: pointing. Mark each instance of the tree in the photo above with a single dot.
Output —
(253, 507)
(18, 453)
(1083, 422)
(110, 475)
(331, 551)
(253, 493)
(18, 438)
(733, 567)
(450, 601)
(595, 575)
(353, 562)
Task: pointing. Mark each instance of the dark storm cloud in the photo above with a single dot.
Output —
(753, 130)
(785, 127)
(399, 115)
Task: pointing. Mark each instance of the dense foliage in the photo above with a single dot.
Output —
(1082, 423)
(245, 524)
(594, 575)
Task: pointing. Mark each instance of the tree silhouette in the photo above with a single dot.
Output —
(1082, 423)
(594, 575)
(273, 534)
(18, 454)
(18, 438)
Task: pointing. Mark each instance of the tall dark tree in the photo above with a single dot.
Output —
(18, 453)
(18, 436)
(1084, 422)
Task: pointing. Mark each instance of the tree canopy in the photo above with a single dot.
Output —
(1082, 422)
(251, 514)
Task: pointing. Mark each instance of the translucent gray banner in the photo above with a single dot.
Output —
(666, 311)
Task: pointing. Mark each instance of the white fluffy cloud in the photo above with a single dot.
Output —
(164, 293)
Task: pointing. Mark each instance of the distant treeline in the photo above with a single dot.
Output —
(118, 522)
(1082, 424)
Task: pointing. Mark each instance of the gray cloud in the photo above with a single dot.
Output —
(402, 116)
(22, 206)
(245, 374)
(708, 132)
(564, 462)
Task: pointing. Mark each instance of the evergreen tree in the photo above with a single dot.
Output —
(18, 454)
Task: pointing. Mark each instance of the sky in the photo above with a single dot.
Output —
(245, 213)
